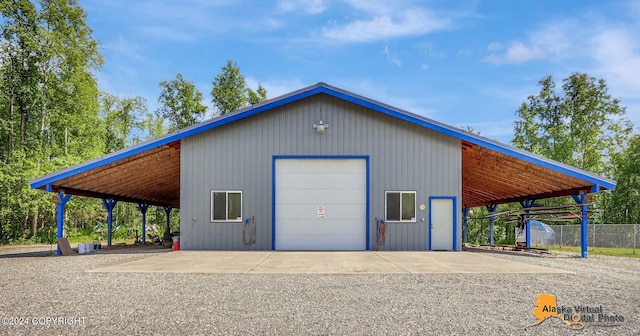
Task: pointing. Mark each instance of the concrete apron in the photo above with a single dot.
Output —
(324, 263)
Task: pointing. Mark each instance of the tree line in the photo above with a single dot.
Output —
(53, 114)
(580, 124)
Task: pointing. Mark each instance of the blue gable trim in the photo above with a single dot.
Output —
(476, 139)
(322, 88)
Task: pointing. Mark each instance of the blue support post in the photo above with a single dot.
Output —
(61, 200)
(527, 204)
(465, 224)
(143, 210)
(528, 240)
(491, 208)
(109, 204)
(167, 232)
(584, 224)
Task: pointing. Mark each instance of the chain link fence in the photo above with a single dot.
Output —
(600, 235)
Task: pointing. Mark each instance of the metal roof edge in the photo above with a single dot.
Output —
(473, 138)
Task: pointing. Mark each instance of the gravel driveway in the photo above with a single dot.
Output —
(45, 295)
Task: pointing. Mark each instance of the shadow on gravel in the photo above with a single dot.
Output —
(513, 253)
(29, 254)
(51, 252)
(130, 250)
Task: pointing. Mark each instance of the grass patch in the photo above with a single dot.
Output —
(608, 251)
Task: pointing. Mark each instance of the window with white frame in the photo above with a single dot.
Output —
(401, 206)
(226, 206)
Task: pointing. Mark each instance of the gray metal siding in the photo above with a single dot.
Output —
(238, 156)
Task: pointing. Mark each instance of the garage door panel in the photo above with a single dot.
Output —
(320, 227)
(317, 197)
(312, 166)
(320, 181)
(332, 211)
(339, 186)
(320, 243)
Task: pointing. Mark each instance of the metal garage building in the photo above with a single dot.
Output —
(314, 169)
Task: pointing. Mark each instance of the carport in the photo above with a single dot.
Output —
(492, 173)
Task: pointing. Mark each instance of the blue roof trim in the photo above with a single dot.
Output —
(475, 139)
(340, 94)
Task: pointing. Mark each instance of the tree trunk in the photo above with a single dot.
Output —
(43, 112)
(10, 135)
(34, 225)
(23, 124)
(25, 222)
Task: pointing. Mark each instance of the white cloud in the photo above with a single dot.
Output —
(501, 130)
(194, 20)
(384, 20)
(276, 87)
(375, 6)
(168, 33)
(593, 44)
(617, 53)
(392, 58)
(510, 95)
(430, 50)
(125, 48)
(378, 92)
(634, 7)
(495, 46)
(551, 43)
(307, 6)
(425, 66)
(517, 53)
(464, 52)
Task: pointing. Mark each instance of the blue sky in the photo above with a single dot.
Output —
(459, 62)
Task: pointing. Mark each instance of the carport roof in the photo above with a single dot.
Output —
(492, 172)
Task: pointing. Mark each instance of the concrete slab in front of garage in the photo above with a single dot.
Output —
(324, 263)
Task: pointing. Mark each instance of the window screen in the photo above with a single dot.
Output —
(393, 206)
(401, 206)
(226, 206)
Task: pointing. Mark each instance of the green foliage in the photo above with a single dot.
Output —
(624, 205)
(48, 106)
(181, 103)
(121, 121)
(583, 126)
(52, 116)
(230, 90)
(607, 251)
(507, 241)
(256, 97)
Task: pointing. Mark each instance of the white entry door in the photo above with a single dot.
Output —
(320, 204)
(442, 223)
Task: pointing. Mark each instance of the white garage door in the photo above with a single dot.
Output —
(321, 204)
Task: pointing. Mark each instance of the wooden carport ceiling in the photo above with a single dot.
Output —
(489, 177)
(151, 177)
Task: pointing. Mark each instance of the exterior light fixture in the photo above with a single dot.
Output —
(320, 126)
